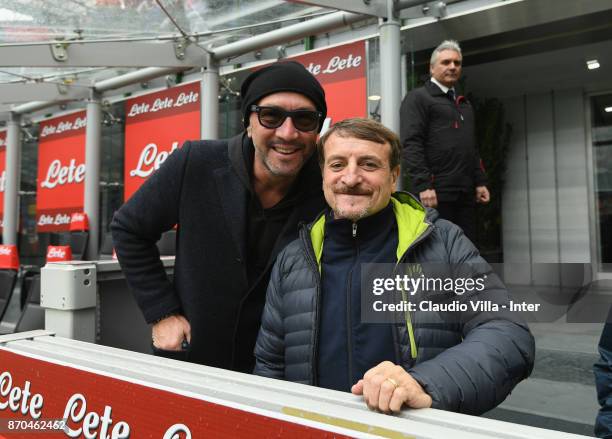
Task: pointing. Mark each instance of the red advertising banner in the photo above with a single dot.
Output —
(341, 71)
(61, 171)
(156, 125)
(2, 174)
(44, 399)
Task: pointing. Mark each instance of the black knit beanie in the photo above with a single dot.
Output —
(281, 76)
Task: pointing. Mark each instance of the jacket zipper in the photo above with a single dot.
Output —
(408, 316)
(349, 326)
(311, 258)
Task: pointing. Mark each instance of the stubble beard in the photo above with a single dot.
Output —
(276, 171)
(352, 216)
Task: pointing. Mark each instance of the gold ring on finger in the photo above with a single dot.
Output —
(392, 381)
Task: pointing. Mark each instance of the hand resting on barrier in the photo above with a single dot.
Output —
(387, 387)
(169, 333)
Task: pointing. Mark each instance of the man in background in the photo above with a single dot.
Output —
(439, 144)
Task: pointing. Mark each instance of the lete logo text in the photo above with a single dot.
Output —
(61, 175)
(151, 159)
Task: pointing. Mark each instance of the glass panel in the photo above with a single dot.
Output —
(31, 21)
(601, 129)
(38, 20)
(230, 118)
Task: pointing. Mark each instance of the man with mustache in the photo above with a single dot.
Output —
(439, 144)
(312, 329)
(237, 203)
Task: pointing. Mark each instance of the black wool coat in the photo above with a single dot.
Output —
(439, 142)
(204, 188)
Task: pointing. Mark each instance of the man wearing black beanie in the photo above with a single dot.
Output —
(237, 203)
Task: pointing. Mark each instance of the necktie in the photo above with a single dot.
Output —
(451, 94)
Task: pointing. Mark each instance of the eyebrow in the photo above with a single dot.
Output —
(359, 159)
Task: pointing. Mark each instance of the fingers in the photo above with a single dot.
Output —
(400, 395)
(371, 391)
(434, 202)
(357, 388)
(169, 333)
(482, 195)
(429, 198)
(387, 387)
(186, 328)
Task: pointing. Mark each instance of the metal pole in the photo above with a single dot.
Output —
(289, 33)
(209, 123)
(142, 75)
(30, 107)
(403, 75)
(92, 173)
(390, 69)
(404, 4)
(11, 189)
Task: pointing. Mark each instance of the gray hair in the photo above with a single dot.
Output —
(444, 45)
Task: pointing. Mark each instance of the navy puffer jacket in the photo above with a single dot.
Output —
(467, 365)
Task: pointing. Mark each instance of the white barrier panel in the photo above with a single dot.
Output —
(103, 392)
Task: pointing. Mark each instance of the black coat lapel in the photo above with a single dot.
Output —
(233, 195)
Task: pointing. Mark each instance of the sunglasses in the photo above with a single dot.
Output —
(273, 117)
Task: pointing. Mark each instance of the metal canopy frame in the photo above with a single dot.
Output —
(179, 52)
(17, 93)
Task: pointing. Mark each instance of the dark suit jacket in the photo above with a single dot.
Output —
(438, 141)
(202, 187)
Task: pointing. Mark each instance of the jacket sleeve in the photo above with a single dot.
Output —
(497, 350)
(413, 133)
(603, 383)
(270, 345)
(480, 178)
(138, 225)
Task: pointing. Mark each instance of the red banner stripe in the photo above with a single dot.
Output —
(148, 412)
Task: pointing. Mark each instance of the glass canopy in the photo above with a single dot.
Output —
(216, 22)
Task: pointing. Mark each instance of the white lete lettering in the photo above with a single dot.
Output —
(58, 174)
(337, 63)
(149, 156)
(18, 399)
(184, 99)
(173, 432)
(76, 411)
(55, 252)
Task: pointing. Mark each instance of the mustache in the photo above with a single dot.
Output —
(345, 190)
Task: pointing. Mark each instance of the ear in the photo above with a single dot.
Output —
(248, 131)
(395, 174)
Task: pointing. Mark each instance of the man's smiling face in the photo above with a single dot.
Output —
(282, 151)
(357, 178)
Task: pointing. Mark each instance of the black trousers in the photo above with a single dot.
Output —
(459, 208)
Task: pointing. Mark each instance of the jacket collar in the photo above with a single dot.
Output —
(238, 147)
(413, 219)
(433, 89)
